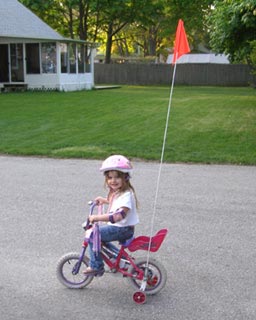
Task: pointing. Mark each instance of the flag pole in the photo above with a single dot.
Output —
(181, 47)
(168, 110)
(163, 145)
(160, 169)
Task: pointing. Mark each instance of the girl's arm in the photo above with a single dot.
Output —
(119, 215)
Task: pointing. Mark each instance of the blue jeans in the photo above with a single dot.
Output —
(108, 233)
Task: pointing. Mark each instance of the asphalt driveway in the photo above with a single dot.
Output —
(209, 254)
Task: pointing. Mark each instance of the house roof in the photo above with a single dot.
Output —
(16, 21)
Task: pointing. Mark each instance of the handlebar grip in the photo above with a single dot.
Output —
(92, 205)
(86, 225)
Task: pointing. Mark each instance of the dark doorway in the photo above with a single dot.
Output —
(17, 65)
(4, 63)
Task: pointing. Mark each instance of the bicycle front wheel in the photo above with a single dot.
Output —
(66, 274)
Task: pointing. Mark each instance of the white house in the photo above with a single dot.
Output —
(34, 56)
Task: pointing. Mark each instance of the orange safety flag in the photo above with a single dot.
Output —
(181, 42)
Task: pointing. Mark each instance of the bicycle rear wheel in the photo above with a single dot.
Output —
(65, 271)
(156, 278)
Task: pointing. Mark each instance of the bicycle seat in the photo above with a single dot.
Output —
(142, 242)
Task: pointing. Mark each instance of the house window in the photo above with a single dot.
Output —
(72, 58)
(32, 58)
(64, 57)
(81, 58)
(48, 57)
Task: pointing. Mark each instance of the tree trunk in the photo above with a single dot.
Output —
(109, 43)
(152, 41)
(82, 22)
(70, 25)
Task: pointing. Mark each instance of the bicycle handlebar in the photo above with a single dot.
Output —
(86, 225)
(92, 205)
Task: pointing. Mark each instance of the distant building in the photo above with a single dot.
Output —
(33, 55)
(200, 58)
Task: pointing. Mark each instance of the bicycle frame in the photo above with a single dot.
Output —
(115, 265)
(139, 243)
(133, 244)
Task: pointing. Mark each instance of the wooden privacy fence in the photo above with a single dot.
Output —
(161, 74)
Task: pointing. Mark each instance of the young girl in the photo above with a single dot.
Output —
(122, 203)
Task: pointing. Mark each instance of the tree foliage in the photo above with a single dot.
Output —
(115, 16)
(193, 13)
(232, 26)
(148, 26)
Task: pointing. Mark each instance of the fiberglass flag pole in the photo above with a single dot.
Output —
(181, 47)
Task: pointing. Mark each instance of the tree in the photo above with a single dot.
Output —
(117, 15)
(193, 14)
(155, 31)
(232, 28)
(84, 18)
(71, 18)
(150, 25)
(129, 24)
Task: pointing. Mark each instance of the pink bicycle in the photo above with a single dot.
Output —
(146, 275)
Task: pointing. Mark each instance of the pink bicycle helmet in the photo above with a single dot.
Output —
(116, 162)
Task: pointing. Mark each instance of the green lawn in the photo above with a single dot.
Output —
(207, 124)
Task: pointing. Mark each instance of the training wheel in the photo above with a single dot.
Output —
(139, 297)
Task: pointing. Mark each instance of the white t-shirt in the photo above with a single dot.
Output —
(127, 200)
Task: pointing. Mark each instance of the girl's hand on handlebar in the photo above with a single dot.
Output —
(92, 219)
(101, 200)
